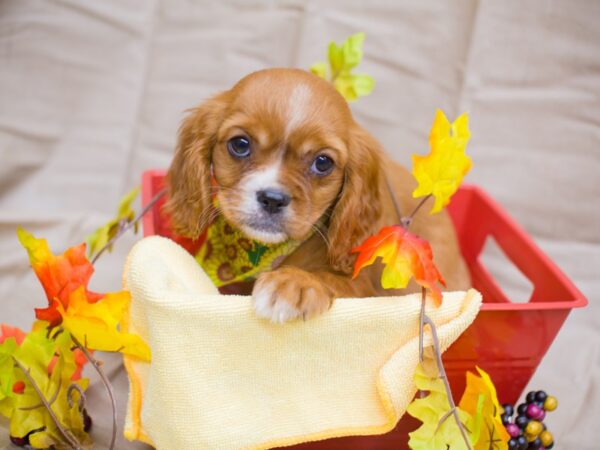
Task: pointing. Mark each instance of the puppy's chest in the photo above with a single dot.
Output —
(228, 256)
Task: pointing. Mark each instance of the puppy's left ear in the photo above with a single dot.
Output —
(358, 209)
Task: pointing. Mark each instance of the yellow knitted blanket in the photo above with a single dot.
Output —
(221, 378)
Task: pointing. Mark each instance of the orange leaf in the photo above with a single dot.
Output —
(405, 255)
(59, 275)
(93, 319)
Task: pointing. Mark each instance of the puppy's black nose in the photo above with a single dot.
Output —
(272, 201)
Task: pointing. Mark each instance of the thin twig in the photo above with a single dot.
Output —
(82, 398)
(96, 364)
(444, 377)
(49, 402)
(442, 420)
(128, 225)
(406, 221)
(418, 207)
(66, 433)
(421, 329)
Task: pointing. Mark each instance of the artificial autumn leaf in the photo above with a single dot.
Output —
(342, 59)
(74, 359)
(34, 354)
(95, 325)
(481, 390)
(59, 275)
(441, 171)
(405, 255)
(93, 319)
(7, 331)
(434, 434)
(24, 421)
(125, 214)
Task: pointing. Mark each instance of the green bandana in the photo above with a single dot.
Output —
(228, 256)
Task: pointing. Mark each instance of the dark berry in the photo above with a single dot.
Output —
(522, 441)
(513, 430)
(20, 441)
(522, 409)
(513, 444)
(509, 410)
(530, 397)
(533, 411)
(539, 404)
(522, 421)
(535, 445)
(87, 421)
(550, 446)
(505, 419)
(540, 396)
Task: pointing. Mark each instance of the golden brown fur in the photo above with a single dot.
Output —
(291, 116)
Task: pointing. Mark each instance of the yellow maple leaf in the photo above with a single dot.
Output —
(441, 171)
(480, 400)
(95, 325)
(437, 431)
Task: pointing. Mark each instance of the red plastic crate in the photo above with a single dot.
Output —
(508, 340)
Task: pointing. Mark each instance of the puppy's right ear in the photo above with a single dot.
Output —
(189, 177)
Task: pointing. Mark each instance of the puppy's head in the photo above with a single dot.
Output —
(286, 156)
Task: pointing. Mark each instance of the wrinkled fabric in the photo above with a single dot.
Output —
(348, 372)
(92, 94)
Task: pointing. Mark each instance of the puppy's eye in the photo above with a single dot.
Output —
(322, 165)
(239, 147)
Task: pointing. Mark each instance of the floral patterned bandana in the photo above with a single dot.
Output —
(228, 256)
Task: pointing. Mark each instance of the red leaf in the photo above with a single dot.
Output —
(405, 255)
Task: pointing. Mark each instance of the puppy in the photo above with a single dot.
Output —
(287, 162)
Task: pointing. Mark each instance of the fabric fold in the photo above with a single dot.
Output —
(221, 378)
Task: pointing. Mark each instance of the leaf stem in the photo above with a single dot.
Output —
(97, 366)
(66, 434)
(406, 221)
(443, 376)
(127, 225)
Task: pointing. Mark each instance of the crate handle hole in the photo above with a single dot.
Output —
(515, 285)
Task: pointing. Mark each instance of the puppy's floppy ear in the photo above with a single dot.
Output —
(189, 177)
(357, 212)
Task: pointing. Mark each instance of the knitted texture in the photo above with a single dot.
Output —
(221, 378)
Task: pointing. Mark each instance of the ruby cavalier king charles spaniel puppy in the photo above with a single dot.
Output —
(280, 158)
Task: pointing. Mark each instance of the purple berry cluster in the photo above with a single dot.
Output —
(528, 431)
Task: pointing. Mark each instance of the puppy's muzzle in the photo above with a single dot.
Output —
(272, 201)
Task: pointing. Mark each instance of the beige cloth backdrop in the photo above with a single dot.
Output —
(92, 92)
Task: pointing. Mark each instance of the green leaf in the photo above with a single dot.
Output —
(319, 69)
(35, 354)
(102, 236)
(352, 52)
(7, 369)
(335, 57)
(342, 59)
(353, 86)
(431, 409)
(363, 84)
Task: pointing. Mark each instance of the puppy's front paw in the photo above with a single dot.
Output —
(289, 293)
